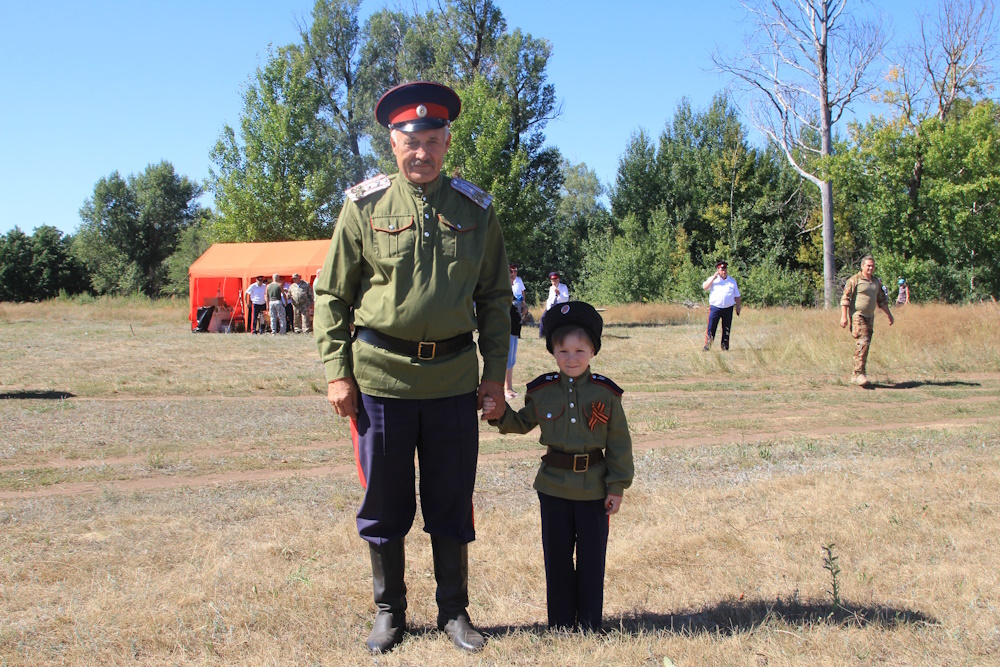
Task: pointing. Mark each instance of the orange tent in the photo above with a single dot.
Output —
(220, 276)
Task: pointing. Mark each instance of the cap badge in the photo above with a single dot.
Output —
(421, 110)
(564, 310)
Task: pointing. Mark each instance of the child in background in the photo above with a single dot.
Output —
(586, 468)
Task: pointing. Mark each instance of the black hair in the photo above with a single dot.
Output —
(562, 333)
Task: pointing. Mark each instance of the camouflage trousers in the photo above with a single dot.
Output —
(862, 329)
(302, 320)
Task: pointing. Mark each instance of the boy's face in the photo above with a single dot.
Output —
(573, 354)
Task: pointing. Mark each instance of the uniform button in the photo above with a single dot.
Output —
(423, 198)
(427, 233)
(571, 405)
(427, 215)
(571, 380)
(459, 226)
(391, 228)
(573, 420)
(571, 391)
(548, 416)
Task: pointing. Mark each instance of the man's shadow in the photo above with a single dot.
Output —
(35, 394)
(730, 617)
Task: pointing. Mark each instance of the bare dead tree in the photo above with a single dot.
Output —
(804, 63)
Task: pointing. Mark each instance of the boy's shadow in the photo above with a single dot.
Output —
(730, 617)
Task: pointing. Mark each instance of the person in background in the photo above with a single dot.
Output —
(258, 305)
(904, 293)
(517, 309)
(289, 310)
(558, 293)
(416, 262)
(723, 298)
(585, 470)
(863, 293)
(276, 305)
(301, 296)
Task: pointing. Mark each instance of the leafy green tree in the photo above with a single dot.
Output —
(17, 280)
(283, 178)
(191, 245)
(129, 227)
(54, 268)
(637, 189)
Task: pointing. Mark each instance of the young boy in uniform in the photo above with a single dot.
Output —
(586, 468)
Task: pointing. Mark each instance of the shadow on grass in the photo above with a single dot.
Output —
(913, 384)
(34, 394)
(733, 616)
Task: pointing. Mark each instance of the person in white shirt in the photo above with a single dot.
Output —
(558, 293)
(258, 305)
(723, 297)
(517, 309)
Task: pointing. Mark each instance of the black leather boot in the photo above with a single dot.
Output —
(451, 570)
(388, 567)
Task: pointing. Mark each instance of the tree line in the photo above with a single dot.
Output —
(916, 185)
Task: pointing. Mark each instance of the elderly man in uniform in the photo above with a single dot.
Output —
(302, 301)
(420, 258)
(863, 292)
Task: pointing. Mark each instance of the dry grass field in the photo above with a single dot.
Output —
(177, 499)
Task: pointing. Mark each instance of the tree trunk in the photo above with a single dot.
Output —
(829, 263)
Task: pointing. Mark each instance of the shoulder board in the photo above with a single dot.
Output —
(358, 192)
(600, 379)
(473, 192)
(542, 380)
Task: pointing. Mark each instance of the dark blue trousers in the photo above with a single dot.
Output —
(714, 315)
(444, 433)
(574, 593)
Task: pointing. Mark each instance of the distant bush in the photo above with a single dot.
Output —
(768, 284)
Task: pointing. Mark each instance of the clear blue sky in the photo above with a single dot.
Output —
(93, 86)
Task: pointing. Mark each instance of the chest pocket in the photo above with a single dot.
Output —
(459, 237)
(395, 235)
(550, 419)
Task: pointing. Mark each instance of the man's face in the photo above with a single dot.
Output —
(420, 154)
(723, 272)
(868, 269)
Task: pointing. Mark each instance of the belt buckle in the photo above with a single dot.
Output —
(586, 462)
(420, 350)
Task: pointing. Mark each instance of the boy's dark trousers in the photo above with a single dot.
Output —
(714, 315)
(574, 594)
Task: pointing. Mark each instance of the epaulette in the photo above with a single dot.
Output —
(600, 379)
(473, 192)
(358, 192)
(542, 380)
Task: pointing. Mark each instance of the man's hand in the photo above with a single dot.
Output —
(343, 396)
(494, 390)
(843, 321)
(612, 504)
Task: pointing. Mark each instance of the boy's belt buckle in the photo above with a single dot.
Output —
(421, 346)
(586, 462)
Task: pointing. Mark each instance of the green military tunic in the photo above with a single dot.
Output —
(562, 406)
(420, 262)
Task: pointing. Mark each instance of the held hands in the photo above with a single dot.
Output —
(612, 504)
(489, 405)
(494, 392)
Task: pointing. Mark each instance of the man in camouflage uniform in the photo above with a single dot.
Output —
(416, 263)
(863, 293)
(302, 302)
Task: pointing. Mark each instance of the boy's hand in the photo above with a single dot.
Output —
(612, 504)
(489, 405)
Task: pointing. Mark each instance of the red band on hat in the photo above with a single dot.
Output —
(408, 113)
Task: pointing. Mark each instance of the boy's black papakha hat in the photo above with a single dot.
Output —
(421, 105)
(573, 313)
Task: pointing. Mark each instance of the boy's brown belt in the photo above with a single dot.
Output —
(574, 462)
(424, 350)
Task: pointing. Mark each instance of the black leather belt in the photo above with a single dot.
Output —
(574, 462)
(423, 350)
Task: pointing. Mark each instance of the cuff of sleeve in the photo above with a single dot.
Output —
(616, 490)
(494, 372)
(337, 369)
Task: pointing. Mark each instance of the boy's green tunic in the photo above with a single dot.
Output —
(562, 407)
(420, 263)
